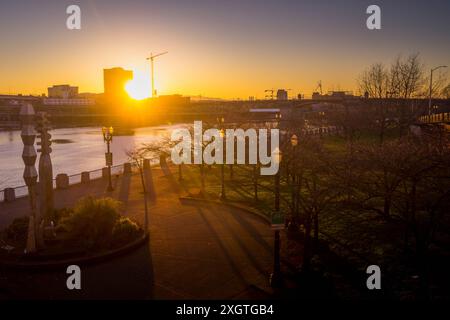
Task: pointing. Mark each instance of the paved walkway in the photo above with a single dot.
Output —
(194, 251)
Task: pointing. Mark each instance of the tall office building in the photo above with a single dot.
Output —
(114, 81)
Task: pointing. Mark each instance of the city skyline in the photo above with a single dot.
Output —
(245, 48)
(202, 154)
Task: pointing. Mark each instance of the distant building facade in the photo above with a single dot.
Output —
(114, 81)
(171, 100)
(68, 102)
(18, 99)
(65, 95)
(63, 91)
(333, 95)
(316, 95)
(282, 94)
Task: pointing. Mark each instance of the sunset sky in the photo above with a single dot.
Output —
(227, 49)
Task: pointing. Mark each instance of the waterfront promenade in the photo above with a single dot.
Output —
(195, 251)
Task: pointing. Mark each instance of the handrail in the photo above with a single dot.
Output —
(435, 118)
(22, 190)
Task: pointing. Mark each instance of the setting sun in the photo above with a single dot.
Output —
(139, 88)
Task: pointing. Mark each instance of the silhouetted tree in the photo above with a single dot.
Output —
(318, 189)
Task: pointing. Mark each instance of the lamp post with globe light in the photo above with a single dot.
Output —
(220, 122)
(295, 183)
(431, 87)
(107, 138)
(222, 167)
(277, 225)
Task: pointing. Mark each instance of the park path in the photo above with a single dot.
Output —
(196, 251)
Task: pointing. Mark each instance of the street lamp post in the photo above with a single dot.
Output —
(275, 278)
(220, 121)
(294, 143)
(107, 137)
(431, 87)
(222, 168)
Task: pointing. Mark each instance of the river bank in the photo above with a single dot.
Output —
(75, 150)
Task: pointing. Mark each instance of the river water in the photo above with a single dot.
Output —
(74, 150)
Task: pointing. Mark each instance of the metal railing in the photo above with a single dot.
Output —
(22, 191)
(435, 118)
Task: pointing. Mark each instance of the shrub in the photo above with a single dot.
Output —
(18, 229)
(125, 231)
(58, 214)
(92, 221)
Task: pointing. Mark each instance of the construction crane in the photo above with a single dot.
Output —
(319, 86)
(151, 58)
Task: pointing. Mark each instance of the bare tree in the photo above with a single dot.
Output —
(378, 175)
(374, 80)
(403, 79)
(446, 92)
(317, 190)
(440, 85)
(137, 157)
(155, 148)
(422, 201)
(411, 76)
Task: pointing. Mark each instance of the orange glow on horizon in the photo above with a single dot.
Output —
(139, 88)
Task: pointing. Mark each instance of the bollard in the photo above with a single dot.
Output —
(85, 177)
(127, 168)
(146, 164)
(105, 173)
(10, 194)
(62, 181)
(162, 160)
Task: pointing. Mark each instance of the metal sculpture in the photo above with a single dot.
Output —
(30, 175)
(45, 168)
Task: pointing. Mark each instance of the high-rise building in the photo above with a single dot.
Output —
(114, 81)
(62, 91)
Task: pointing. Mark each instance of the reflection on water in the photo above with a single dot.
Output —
(75, 150)
(61, 141)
